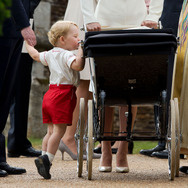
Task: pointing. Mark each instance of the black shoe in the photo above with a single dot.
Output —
(11, 170)
(150, 151)
(97, 150)
(43, 166)
(184, 169)
(3, 173)
(29, 152)
(163, 154)
(160, 154)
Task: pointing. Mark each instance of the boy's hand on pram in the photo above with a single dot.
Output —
(94, 26)
(149, 23)
(81, 44)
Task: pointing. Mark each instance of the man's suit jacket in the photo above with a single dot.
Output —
(171, 13)
(21, 11)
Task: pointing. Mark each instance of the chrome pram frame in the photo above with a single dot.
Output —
(116, 59)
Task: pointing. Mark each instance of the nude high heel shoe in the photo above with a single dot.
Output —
(63, 148)
(105, 168)
(122, 169)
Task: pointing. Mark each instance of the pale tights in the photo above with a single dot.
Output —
(121, 156)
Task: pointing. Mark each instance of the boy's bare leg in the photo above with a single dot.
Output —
(53, 142)
(47, 136)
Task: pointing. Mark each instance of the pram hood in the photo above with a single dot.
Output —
(129, 42)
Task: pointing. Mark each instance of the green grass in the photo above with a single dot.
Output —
(138, 145)
(36, 142)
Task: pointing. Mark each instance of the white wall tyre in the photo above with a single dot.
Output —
(171, 140)
(177, 131)
(90, 139)
(80, 141)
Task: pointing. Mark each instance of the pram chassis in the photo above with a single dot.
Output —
(158, 46)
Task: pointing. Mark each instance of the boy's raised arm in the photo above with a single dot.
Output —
(79, 63)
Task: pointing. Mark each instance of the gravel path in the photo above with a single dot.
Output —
(144, 172)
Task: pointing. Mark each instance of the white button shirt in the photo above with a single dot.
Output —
(59, 62)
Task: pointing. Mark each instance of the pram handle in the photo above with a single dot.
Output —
(108, 28)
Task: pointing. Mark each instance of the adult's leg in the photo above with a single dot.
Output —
(81, 92)
(2, 148)
(122, 119)
(17, 136)
(116, 144)
(160, 151)
(2, 154)
(9, 65)
(106, 157)
(5, 52)
(121, 156)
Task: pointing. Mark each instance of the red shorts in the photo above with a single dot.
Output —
(58, 104)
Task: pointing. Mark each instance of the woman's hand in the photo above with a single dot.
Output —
(149, 23)
(94, 26)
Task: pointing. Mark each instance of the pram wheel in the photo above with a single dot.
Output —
(177, 138)
(90, 139)
(171, 140)
(80, 135)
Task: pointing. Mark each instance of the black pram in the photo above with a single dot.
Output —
(128, 67)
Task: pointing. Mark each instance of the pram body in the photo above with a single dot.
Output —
(129, 67)
(130, 64)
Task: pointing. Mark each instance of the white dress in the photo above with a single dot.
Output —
(73, 13)
(117, 13)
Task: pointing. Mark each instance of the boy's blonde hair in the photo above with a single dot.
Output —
(58, 29)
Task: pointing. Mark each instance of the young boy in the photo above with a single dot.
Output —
(60, 100)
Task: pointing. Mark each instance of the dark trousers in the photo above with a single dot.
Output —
(169, 87)
(10, 50)
(170, 19)
(2, 148)
(17, 135)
